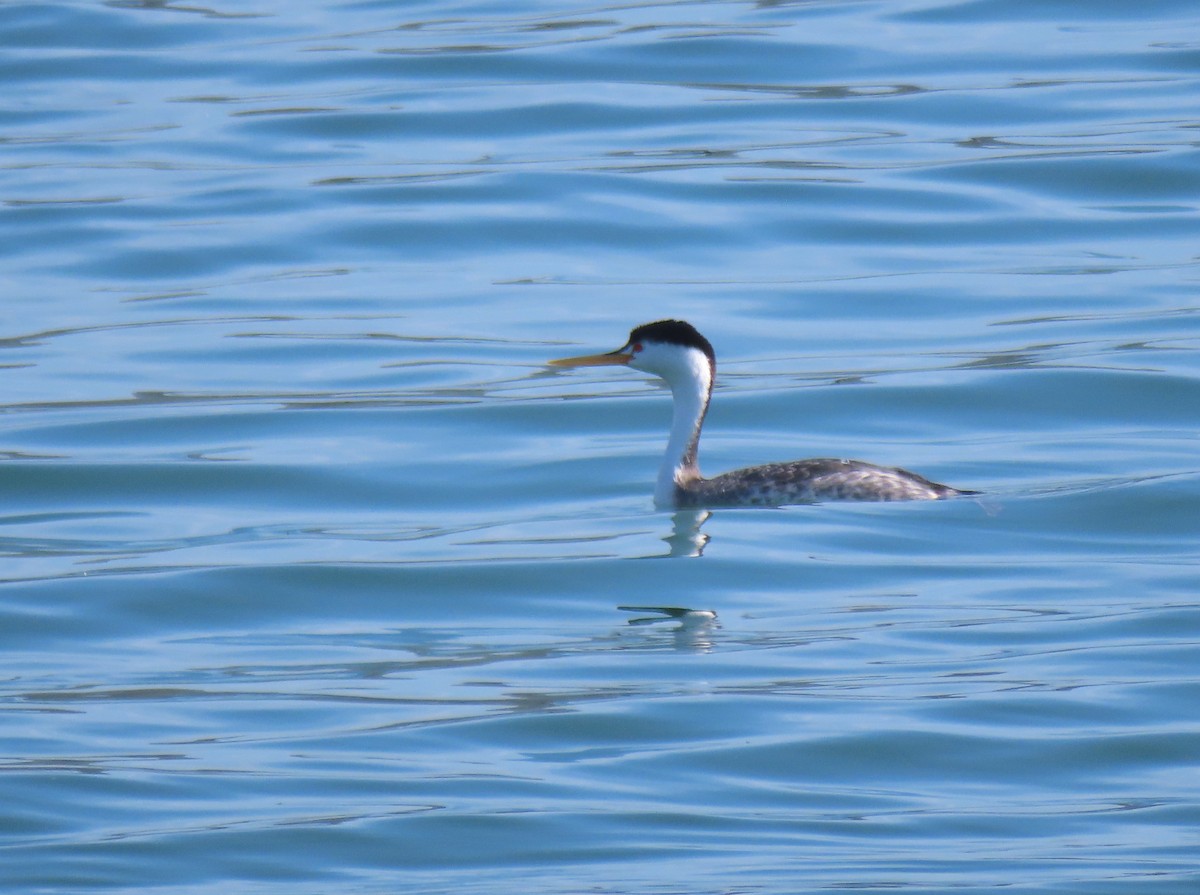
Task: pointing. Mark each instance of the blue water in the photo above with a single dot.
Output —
(311, 566)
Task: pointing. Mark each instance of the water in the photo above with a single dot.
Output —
(311, 567)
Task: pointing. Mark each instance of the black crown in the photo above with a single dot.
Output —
(673, 332)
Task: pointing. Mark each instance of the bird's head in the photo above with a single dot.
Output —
(672, 349)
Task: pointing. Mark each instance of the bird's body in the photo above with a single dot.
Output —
(809, 481)
(685, 360)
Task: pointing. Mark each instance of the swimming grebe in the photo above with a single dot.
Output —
(676, 352)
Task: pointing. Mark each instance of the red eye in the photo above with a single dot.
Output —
(636, 347)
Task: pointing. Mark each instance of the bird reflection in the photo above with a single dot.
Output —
(685, 538)
(682, 614)
(693, 629)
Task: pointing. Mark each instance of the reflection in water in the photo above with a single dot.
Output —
(693, 631)
(687, 616)
(686, 538)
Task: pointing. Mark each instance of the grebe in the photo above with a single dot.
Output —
(676, 352)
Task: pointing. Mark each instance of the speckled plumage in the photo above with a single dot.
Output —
(809, 481)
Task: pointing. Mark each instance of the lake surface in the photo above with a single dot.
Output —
(311, 567)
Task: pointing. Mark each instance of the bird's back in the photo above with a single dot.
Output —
(810, 481)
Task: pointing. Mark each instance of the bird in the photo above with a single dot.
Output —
(677, 353)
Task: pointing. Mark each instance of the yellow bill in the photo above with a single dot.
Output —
(594, 360)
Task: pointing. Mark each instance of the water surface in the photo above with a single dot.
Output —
(311, 566)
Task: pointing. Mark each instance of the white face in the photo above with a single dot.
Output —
(673, 363)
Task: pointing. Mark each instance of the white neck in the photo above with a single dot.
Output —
(691, 386)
